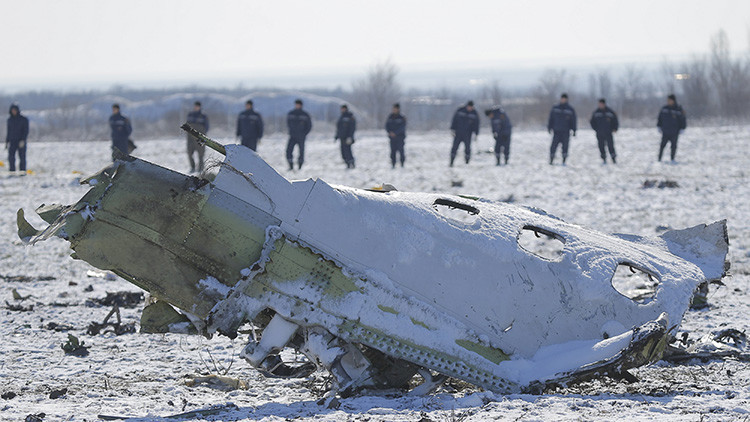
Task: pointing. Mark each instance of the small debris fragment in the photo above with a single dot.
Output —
(18, 308)
(17, 296)
(218, 382)
(25, 278)
(509, 200)
(56, 394)
(117, 327)
(661, 184)
(101, 274)
(57, 327)
(74, 347)
(123, 299)
(8, 395)
(35, 417)
(457, 183)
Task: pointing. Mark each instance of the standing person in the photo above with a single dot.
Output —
(299, 124)
(672, 121)
(562, 120)
(604, 122)
(16, 137)
(121, 130)
(199, 122)
(465, 121)
(345, 128)
(501, 129)
(250, 126)
(395, 125)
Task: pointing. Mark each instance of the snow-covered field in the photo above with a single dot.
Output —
(141, 375)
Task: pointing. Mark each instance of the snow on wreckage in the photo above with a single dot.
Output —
(378, 286)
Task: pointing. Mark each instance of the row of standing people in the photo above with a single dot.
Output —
(671, 122)
(562, 122)
(299, 124)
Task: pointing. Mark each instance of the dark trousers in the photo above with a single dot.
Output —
(560, 137)
(251, 143)
(346, 152)
(466, 140)
(397, 147)
(606, 140)
(14, 147)
(502, 147)
(290, 150)
(192, 147)
(668, 138)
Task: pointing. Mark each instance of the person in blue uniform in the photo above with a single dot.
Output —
(121, 130)
(465, 122)
(250, 126)
(395, 126)
(199, 121)
(345, 127)
(562, 121)
(299, 124)
(671, 122)
(501, 130)
(16, 138)
(605, 124)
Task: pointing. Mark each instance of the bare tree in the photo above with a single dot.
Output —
(721, 70)
(600, 84)
(494, 92)
(696, 87)
(376, 92)
(633, 90)
(551, 84)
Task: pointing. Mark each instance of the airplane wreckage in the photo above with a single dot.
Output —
(378, 286)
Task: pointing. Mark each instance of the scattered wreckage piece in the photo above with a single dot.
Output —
(117, 327)
(727, 343)
(378, 286)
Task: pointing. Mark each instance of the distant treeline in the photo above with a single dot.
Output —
(714, 87)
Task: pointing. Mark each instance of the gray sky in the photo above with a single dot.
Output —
(94, 42)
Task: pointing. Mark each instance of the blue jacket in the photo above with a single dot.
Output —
(500, 123)
(18, 126)
(464, 122)
(121, 130)
(250, 125)
(346, 126)
(604, 122)
(198, 120)
(396, 123)
(299, 124)
(562, 118)
(672, 119)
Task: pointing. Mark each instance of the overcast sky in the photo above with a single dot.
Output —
(50, 43)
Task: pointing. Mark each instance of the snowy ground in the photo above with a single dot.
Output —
(144, 375)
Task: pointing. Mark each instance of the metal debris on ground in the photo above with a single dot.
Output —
(74, 347)
(123, 299)
(116, 327)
